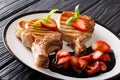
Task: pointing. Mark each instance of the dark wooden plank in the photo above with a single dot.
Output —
(14, 8)
(5, 3)
(107, 13)
(104, 10)
(11, 70)
(114, 23)
(5, 59)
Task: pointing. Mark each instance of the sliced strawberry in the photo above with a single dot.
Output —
(103, 66)
(96, 55)
(101, 45)
(74, 60)
(78, 64)
(76, 69)
(62, 56)
(65, 65)
(63, 60)
(82, 63)
(95, 67)
(74, 63)
(105, 58)
(80, 24)
(50, 24)
(87, 57)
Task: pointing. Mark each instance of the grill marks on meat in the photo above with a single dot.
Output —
(42, 42)
(75, 38)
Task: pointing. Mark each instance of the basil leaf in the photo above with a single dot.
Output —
(77, 12)
(45, 18)
(76, 15)
(37, 22)
(70, 20)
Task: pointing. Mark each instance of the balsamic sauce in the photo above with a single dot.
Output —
(70, 72)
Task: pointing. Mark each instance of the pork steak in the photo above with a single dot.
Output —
(75, 38)
(41, 41)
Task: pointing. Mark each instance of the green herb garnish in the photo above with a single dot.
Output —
(45, 18)
(76, 15)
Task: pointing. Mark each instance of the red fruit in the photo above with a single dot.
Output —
(105, 58)
(62, 56)
(96, 55)
(65, 65)
(50, 24)
(101, 45)
(80, 24)
(95, 67)
(82, 63)
(87, 57)
(103, 66)
(74, 60)
(74, 64)
(78, 64)
(63, 60)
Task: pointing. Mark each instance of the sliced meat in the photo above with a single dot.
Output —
(42, 41)
(75, 38)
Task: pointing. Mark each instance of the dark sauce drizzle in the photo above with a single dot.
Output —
(70, 72)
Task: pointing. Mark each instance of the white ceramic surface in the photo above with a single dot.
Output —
(24, 54)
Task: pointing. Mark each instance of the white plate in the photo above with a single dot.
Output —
(25, 56)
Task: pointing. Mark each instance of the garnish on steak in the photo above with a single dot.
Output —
(42, 39)
(47, 21)
(76, 29)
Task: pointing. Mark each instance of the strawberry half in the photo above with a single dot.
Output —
(95, 67)
(87, 57)
(74, 63)
(96, 55)
(103, 66)
(50, 24)
(80, 24)
(101, 45)
(62, 56)
(105, 58)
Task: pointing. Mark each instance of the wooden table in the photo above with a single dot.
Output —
(106, 12)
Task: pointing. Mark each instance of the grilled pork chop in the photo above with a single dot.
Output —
(42, 41)
(74, 37)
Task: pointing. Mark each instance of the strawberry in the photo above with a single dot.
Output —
(63, 60)
(96, 55)
(80, 24)
(105, 58)
(82, 63)
(78, 64)
(62, 56)
(74, 60)
(65, 65)
(101, 45)
(74, 63)
(103, 66)
(95, 67)
(50, 24)
(87, 57)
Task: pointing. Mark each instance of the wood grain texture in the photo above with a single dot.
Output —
(106, 12)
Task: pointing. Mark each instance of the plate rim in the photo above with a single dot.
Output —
(37, 12)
